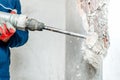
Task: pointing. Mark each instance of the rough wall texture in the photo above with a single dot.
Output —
(88, 17)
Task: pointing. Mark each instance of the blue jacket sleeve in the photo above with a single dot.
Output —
(20, 37)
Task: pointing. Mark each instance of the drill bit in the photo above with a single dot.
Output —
(64, 32)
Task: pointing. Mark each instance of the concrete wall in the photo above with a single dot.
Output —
(43, 57)
(76, 67)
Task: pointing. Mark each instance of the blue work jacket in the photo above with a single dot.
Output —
(18, 39)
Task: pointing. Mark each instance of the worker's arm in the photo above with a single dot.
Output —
(10, 36)
(20, 37)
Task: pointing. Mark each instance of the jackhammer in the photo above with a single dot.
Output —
(22, 22)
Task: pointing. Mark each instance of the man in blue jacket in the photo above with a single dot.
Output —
(9, 37)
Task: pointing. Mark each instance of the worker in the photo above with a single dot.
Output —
(9, 37)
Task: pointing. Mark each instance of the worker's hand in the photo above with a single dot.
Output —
(6, 31)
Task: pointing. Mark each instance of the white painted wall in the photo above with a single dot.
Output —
(111, 69)
(43, 57)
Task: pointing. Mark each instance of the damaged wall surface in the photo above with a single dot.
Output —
(84, 57)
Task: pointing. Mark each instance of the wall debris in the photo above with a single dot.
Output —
(94, 16)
